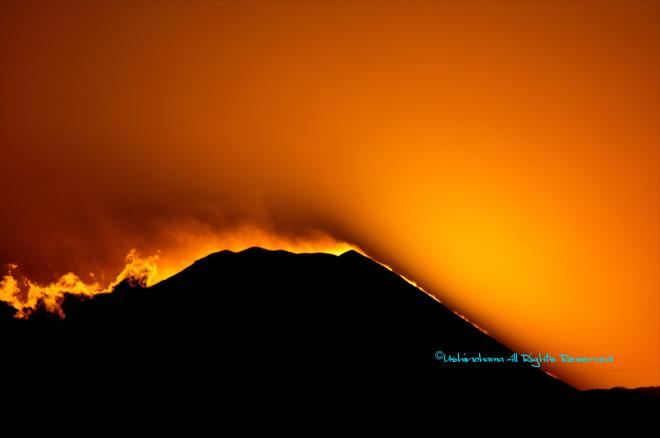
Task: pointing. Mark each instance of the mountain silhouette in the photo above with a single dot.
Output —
(271, 332)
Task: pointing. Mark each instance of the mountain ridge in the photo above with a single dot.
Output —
(274, 331)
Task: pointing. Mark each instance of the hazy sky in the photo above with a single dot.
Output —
(505, 155)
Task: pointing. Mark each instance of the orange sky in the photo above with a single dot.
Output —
(504, 155)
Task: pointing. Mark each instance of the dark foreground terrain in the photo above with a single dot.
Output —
(270, 339)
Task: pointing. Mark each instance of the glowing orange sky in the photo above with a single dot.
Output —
(504, 155)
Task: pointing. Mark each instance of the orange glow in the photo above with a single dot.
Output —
(504, 155)
(192, 243)
(26, 296)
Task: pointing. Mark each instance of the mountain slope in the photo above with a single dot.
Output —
(268, 331)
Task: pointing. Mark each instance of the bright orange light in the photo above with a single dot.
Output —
(26, 296)
(504, 155)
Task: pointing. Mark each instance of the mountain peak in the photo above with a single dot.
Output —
(317, 326)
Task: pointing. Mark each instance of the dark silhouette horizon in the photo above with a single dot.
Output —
(262, 330)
